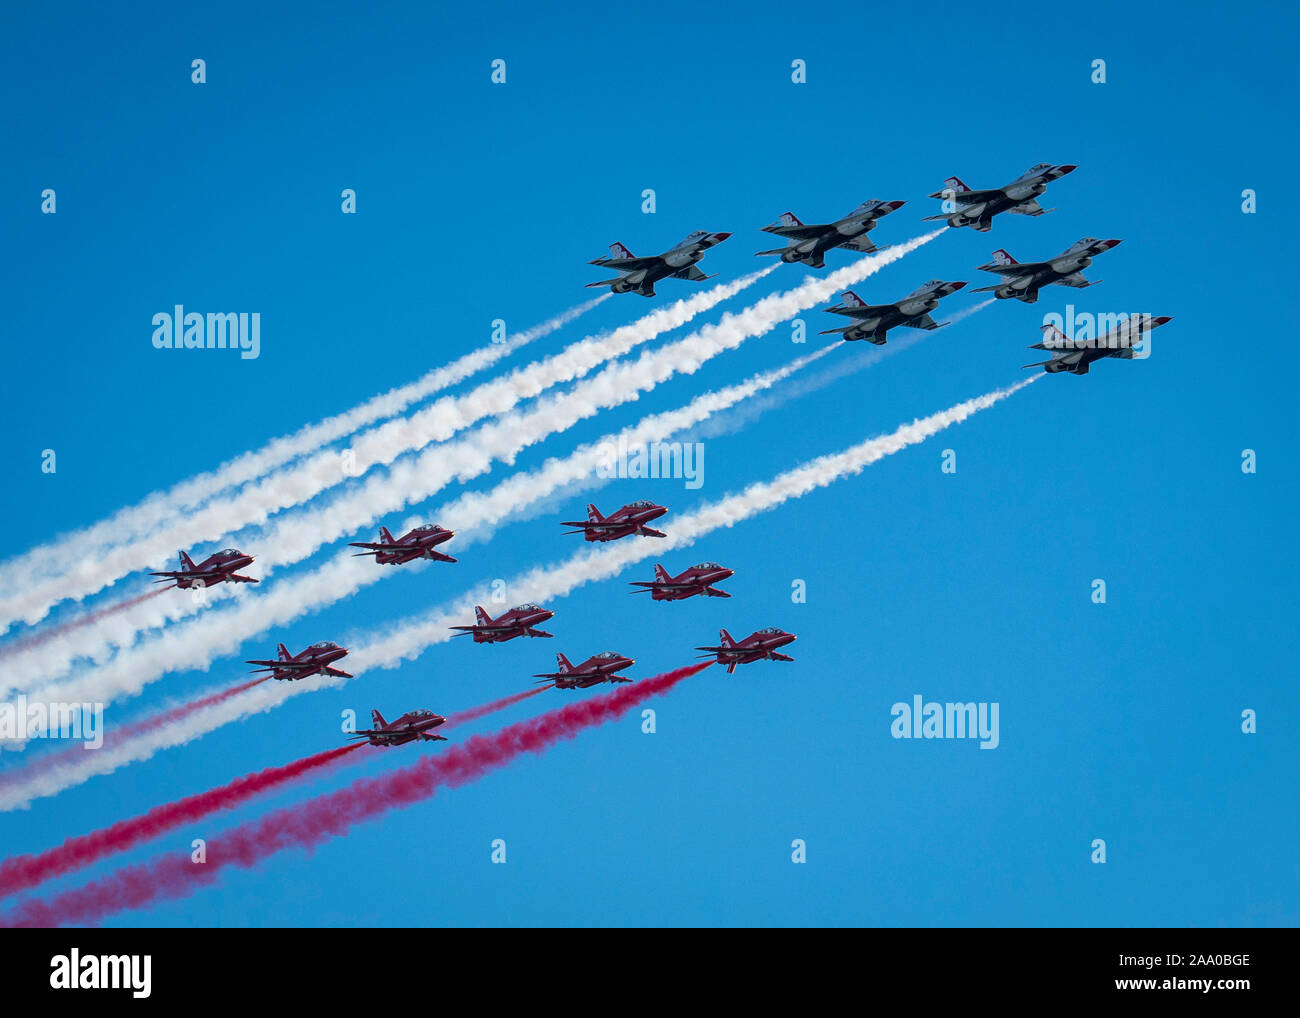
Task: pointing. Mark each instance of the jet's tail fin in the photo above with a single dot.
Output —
(661, 574)
(724, 638)
(617, 250)
(562, 664)
(186, 562)
(593, 514)
(377, 719)
(852, 300)
(1002, 257)
(283, 652)
(1053, 338)
(482, 617)
(385, 536)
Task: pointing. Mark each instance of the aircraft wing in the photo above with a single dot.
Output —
(1014, 269)
(860, 243)
(800, 232)
(922, 322)
(1029, 208)
(867, 311)
(337, 673)
(969, 197)
(1076, 279)
(651, 532)
(626, 264)
(780, 657)
(692, 272)
(287, 665)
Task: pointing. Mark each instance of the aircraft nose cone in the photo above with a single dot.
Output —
(957, 285)
(1068, 168)
(721, 236)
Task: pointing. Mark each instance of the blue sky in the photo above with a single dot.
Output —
(477, 202)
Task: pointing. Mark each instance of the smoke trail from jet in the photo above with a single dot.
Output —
(26, 871)
(411, 479)
(57, 557)
(475, 513)
(311, 823)
(464, 717)
(31, 641)
(405, 641)
(378, 446)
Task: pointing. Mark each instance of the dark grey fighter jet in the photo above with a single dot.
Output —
(1022, 280)
(639, 275)
(809, 244)
(977, 208)
(875, 320)
(1076, 355)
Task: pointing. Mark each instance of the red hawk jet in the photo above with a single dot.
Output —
(631, 519)
(315, 660)
(223, 567)
(695, 580)
(517, 621)
(412, 726)
(760, 646)
(417, 543)
(591, 672)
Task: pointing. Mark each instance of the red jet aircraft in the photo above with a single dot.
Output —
(516, 622)
(591, 672)
(412, 726)
(695, 580)
(223, 567)
(760, 646)
(417, 543)
(631, 519)
(315, 660)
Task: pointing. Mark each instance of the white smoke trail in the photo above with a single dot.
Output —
(294, 537)
(52, 558)
(406, 641)
(327, 468)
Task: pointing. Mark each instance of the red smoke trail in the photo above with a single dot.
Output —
(52, 760)
(327, 816)
(474, 713)
(26, 871)
(37, 639)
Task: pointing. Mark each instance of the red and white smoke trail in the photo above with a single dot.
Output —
(311, 823)
(38, 639)
(24, 871)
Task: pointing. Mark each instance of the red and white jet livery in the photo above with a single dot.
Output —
(760, 646)
(518, 621)
(315, 660)
(223, 567)
(631, 519)
(593, 671)
(689, 583)
(412, 726)
(417, 543)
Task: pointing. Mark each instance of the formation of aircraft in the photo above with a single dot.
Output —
(315, 660)
(872, 322)
(518, 621)
(639, 275)
(977, 208)
(1023, 280)
(759, 646)
(809, 243)
(688, 583)
(631, 519)
(417, 543)
(1075, 356)
(413, 726)
(221, 567)
(595, 670)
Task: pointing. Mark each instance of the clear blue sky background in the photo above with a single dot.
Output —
(1118, 721)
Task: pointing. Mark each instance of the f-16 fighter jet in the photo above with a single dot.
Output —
(1023, 280)
(417, 543)
(591, 672)
(412, 726)
(875, 320)
(631, 519)
(760, 646)
(809, 244)
(516, 622)
(639, 275)
(695, 580)
(315, 660)
(223, 567)
(977, 208)
(1075, 356)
